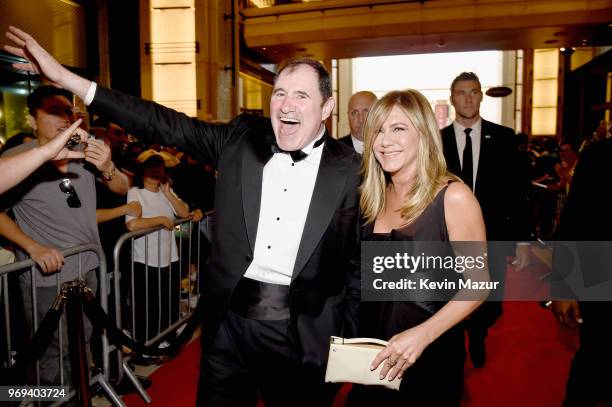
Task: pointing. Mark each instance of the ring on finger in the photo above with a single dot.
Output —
(391, 363)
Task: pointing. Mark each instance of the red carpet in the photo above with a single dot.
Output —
(175, 383)
(528, 359)
(529, 355)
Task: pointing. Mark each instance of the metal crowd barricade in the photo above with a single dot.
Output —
(100, 378)
(124, 277)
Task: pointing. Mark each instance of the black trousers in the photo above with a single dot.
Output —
(590, 377)
(485, 316)
(248, 356)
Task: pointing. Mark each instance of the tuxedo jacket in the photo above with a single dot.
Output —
(585, 219)
(347, 140)
(585, 216)
(501, 181)
(325, 287)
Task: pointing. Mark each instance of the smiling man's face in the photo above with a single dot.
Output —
(297, 108)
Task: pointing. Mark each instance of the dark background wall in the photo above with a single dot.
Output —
(124, 45)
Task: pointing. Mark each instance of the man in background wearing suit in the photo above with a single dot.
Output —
(281, 277)
(358, 108)
(486, 157)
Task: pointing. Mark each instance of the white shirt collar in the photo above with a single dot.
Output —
(357, 144)
(308, 149)
(476, 127)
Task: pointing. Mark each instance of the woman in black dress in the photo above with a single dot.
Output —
(408, 194)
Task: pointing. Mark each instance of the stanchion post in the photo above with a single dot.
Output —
(76, 337)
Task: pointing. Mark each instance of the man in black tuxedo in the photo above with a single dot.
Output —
(585, 218)
(486, 156)
(281, 278)
(358, 108)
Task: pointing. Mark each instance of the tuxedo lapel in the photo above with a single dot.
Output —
(255, 155)
(452, 153)
(325, 196)
(349, 141)
(482, 172)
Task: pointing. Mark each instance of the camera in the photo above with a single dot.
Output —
(76, 139)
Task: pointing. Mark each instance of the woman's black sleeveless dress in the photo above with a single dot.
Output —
(436, 379)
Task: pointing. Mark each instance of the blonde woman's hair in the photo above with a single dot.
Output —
(431, 167)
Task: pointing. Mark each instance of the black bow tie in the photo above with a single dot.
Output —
(297, 155)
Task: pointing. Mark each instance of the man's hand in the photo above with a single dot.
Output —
(196, 215)
(567, 312)
(99, 154)
(166, 222)
(134, 209)
(48, 259)
(165, 188)
(56, 148)
(41, 62)
(523, 256)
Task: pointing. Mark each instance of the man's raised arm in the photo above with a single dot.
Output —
(41, 62)
(148, 120)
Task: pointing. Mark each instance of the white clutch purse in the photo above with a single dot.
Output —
(349, 361)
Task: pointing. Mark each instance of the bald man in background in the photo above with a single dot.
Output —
(358, 108)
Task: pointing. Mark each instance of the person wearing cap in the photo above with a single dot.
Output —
(155, 254)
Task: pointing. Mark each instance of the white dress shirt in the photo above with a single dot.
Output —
(357, 145)
(285, 198)
(476, 137)
(91, 93)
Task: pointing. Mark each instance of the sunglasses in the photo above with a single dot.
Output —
(72, 199)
